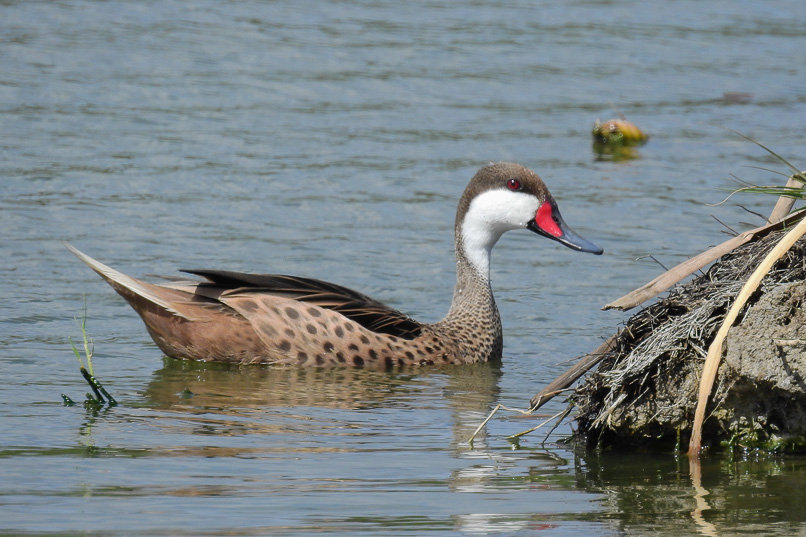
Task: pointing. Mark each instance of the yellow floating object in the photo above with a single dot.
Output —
(618, 132)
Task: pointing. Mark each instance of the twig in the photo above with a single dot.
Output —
(527, 431)
(571, 375)
(653, 258)
(559, 421)
(755, 213)
(490, 416)
(732, 232)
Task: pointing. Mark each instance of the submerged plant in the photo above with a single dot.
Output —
(100, 396)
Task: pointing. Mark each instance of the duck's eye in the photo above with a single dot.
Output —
(514, 185)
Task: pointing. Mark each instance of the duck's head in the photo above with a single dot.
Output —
(502, 197)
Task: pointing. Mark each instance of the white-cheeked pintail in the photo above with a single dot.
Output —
(256, 318)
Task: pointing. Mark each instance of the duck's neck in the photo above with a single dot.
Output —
(473, 317)
(473, 290)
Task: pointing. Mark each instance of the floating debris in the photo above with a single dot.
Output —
(617, 138)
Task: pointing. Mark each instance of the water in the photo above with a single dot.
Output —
(332, 139)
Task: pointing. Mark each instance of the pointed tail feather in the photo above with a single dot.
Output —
(119, 280)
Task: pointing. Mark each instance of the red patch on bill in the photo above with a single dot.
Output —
(545, 221)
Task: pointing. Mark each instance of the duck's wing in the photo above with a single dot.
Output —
(366, 311)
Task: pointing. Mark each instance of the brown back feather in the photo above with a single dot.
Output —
(366, 311)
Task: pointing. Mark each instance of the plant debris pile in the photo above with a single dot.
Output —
(645, 389)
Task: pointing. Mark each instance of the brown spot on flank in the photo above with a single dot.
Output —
(311, 329)
(285, 345)
(314, 312)
(339, 331)
(292, 313)
(357, 360)
(364, 339)
(268, 330)
(290, 333)
(353, 347)
(302, 357)
(328, 346)
(249, 306)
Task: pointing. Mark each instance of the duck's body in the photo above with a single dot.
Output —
(250, 318)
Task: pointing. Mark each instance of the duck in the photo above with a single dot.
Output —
(246, 318)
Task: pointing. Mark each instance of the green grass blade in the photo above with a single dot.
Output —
(768, 150)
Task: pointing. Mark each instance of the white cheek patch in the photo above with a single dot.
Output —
(489, 216)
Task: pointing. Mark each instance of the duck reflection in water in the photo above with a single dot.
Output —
(229, 399)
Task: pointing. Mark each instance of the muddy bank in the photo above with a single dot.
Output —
(644, 391)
